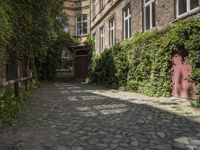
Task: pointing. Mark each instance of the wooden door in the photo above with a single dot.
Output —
(81, 67)
(181, 72)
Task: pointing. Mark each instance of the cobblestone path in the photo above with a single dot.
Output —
(74, 116)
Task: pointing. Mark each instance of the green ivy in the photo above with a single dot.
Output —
(144, 63)
(110, 68)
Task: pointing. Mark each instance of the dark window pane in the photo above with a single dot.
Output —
(147, 17)
(126, 29)
(182, 6)
(84, 17)
(78, 28)
(194, 4)
(85, 28)
(153, 15)
(79, 18)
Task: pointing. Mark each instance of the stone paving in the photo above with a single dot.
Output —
(75, 116)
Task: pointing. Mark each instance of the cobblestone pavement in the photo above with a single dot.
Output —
(75, 116)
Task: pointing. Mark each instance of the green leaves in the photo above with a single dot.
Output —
(110, 68)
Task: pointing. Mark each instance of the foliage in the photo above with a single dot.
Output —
(31, 29)
(5, 28)
(110, 67)
(144, 63)
(34, 29)
(196, 104)
(90, 43)
(9, 105)
(150, 65)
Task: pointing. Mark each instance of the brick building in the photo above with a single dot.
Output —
(112, 21)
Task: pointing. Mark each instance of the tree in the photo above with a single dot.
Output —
(34, 29)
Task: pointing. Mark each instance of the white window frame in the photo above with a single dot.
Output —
(125, 18)
(112, 32)
(81, 22)
(146, 4)
(101, 38)
(188, 11)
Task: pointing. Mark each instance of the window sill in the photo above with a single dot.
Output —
(191, 13)
(149, 30)
(84, 35)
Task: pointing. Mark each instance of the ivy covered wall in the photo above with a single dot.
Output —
(144, 62)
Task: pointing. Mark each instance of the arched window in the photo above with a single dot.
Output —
(81, 25)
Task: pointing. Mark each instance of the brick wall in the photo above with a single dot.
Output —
(165, 14)
(113, 8)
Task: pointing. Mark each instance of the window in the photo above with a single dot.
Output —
(81, 28)
(149, 14)
(127, 23)
(101, 33)
(184, 7)
(93, 8)
(65, 58)
(112, 32)
(101, 4)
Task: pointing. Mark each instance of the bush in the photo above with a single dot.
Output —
(109, 68)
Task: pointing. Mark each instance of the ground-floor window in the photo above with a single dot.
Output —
(149, 14)
(64, 64)
(112, 32)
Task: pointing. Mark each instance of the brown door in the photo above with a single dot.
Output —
(181, 72)
(81, 67)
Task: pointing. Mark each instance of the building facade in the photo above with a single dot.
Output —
(110, 22)
(113, 21)
(78, 12)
